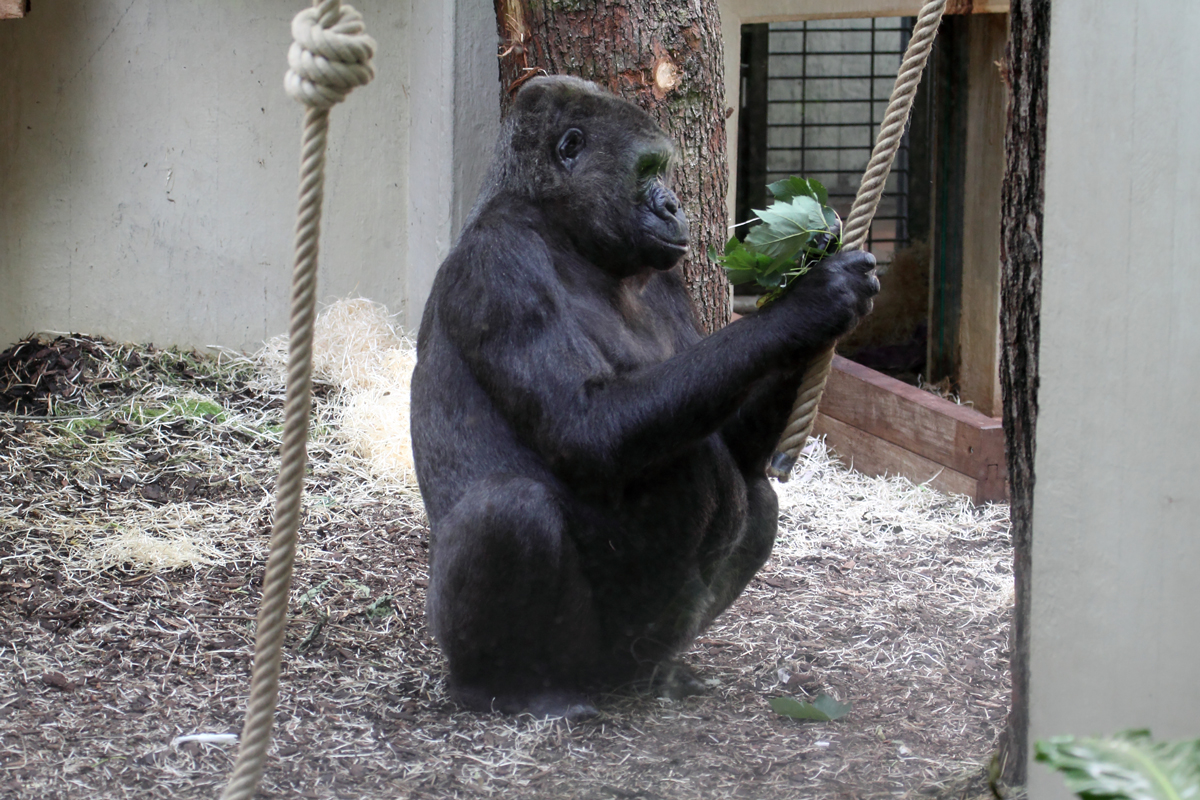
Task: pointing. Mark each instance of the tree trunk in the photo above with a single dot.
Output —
(1026, 57)
(667, 59)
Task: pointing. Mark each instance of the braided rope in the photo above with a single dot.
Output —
(331, 55)
(858, 224)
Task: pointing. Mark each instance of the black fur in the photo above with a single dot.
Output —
(592, 468)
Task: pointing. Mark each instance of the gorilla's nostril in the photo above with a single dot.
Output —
(665, 202)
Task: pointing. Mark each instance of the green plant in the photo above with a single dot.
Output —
(1127, 766)
(796, 230)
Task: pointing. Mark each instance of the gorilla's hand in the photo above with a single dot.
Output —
(832, 297)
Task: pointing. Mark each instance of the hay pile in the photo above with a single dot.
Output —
(133, 526)
(141, 448)
(358, 349)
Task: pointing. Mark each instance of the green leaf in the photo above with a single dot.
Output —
(738, 276)
(1128, 766)
(380, 608)
(832, 220)
(792, 186)
(312, 593)
(786, 230)
(741, 265)
(787, 237)
(823, 709)
(787, 226)
(832, 708)
(772, 280)
(785, 258)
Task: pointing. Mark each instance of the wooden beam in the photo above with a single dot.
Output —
(752, 122)
(922, 429)
(976, 7)
(979, 315)
(13, 9)
(871, 455)
(949, 64)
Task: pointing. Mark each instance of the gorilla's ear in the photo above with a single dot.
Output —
(570, 146)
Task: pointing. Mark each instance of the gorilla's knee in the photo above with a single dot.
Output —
(762, 523)
(507, 600)
(500, 542)
(752, 550)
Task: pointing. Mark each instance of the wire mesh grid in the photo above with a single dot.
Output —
(827, 91)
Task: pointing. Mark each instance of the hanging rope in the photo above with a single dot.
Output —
(330, 56)
(858, 224)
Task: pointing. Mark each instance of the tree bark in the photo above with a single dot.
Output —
(1026, 58)
(669, 60)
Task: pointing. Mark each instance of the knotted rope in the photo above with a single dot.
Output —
(330, 56)
(858, 224)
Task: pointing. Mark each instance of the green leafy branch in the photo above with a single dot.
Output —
(797, 230)
(1128, 766)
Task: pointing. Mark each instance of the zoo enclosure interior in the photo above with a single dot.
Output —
(812, 94)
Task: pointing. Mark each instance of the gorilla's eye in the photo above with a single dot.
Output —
(570, 146)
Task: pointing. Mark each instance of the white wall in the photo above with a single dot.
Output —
(148, 160)
(1116, 544)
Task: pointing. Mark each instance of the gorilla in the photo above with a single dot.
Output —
(592, 466)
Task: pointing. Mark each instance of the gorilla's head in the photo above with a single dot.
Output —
(598, 168)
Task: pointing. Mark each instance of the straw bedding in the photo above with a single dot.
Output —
(135, 501)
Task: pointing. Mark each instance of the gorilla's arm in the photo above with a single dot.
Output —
(753, 431)
(558, 386)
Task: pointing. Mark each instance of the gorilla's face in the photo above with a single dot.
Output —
(600, 170)
(663, 227)
(620, 208)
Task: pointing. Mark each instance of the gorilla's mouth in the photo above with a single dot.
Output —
(680, 247)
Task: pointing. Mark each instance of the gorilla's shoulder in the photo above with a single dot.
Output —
(503, 215)
(500, 269)
(503, 241)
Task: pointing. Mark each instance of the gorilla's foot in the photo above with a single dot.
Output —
(570, 705)
(676, 681)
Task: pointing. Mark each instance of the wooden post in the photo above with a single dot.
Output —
(979, 317)
(752, 122)
(1027, 61)
(949, 63)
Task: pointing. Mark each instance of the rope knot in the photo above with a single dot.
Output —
(330, 55)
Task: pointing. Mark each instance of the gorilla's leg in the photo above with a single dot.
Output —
(727, 575)
(734, 572)
(509, 603)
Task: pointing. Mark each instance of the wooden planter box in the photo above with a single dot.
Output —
(882, 426)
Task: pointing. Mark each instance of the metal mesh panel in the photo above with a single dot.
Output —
(828, 83)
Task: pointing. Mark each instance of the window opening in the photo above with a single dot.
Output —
(828, 83)
(814, 94)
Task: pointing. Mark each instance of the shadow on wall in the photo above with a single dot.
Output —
(49, 99)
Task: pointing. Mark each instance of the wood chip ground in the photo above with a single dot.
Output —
(135, 497)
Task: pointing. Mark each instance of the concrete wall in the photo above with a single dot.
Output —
(1116, 544)
(148, 161)
(455, 102)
